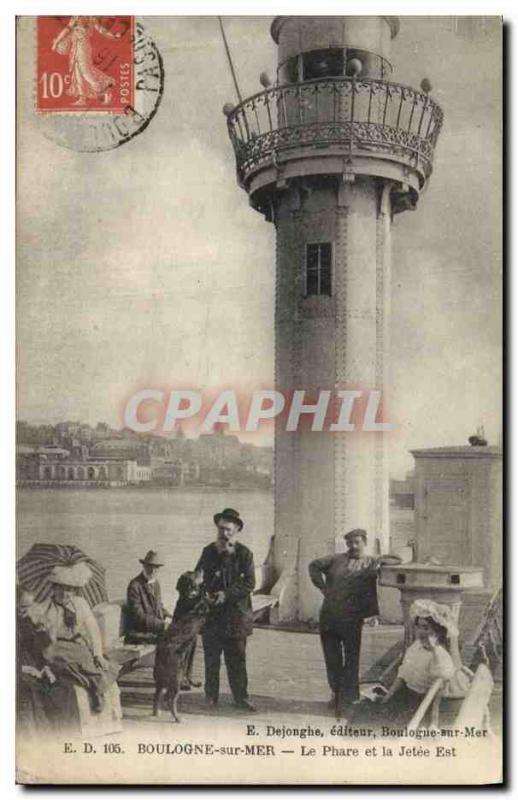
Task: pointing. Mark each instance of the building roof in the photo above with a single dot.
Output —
(118, 448)
(48, 450)
(23, 449)
(463, 451)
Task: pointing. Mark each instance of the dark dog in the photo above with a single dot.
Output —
(174, 648)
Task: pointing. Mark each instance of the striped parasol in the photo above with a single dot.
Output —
(33, 570)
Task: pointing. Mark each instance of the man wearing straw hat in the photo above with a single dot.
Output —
(146, 615)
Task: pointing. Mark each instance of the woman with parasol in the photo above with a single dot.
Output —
(75, 652)
(60, 631)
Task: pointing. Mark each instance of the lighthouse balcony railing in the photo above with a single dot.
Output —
(369, 115)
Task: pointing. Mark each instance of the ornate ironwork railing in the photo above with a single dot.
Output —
(369, 115)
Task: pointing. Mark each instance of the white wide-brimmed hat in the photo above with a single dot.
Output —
(440, 614)
(76, 575)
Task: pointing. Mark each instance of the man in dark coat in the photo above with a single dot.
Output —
(228, 573)
(348, 583)
(146, 617)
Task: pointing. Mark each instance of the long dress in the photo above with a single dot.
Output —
(86, 80)
(43, 704)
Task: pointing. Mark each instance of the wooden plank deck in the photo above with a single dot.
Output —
(286, 679)
(284, 670)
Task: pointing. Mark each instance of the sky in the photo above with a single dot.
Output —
(144, 266)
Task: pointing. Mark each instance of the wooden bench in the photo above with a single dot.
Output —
(474, 711)
(431, 699)
(111, 618)
(262, 600)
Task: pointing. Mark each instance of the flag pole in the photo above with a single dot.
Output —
(230, 63)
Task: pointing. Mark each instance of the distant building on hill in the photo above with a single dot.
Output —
(216, 458)
(48, 466)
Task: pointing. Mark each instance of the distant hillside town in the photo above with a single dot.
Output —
(73, 454)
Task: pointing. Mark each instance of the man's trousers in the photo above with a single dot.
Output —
(234, 653)
(341, 646)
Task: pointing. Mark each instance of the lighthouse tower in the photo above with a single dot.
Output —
(329, 153)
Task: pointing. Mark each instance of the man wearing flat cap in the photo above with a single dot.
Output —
(229, 577)
(146, 615)
(348, 582)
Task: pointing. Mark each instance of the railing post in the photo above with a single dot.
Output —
(425, 105)
(254, 106)
(401, 98)
(387, 95)
(284, 109)
(299, 106)
(267, 102)
(412, 113)
(245, 120)
(370, 103)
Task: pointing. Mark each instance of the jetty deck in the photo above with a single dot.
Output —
(287, 682)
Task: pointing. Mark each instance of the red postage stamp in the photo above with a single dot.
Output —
(85, 64)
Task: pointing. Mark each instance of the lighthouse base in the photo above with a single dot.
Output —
(328, 482)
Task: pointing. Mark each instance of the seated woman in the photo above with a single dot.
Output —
(74, 653)
(434, 654)
(35, 680)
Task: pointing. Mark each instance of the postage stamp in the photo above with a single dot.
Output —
(100, 81)
(85, 64)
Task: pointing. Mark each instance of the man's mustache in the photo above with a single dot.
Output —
(226, 543)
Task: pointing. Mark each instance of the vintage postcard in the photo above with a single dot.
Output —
(259, 389)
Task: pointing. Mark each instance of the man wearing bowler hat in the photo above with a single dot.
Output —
(229, 577)
(348, 582)
(146, 615)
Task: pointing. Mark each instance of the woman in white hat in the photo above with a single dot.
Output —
(424, 661)
(75, 652)
(433, 654)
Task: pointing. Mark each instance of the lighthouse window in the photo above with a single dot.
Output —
(323, 64)
(318, 268)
